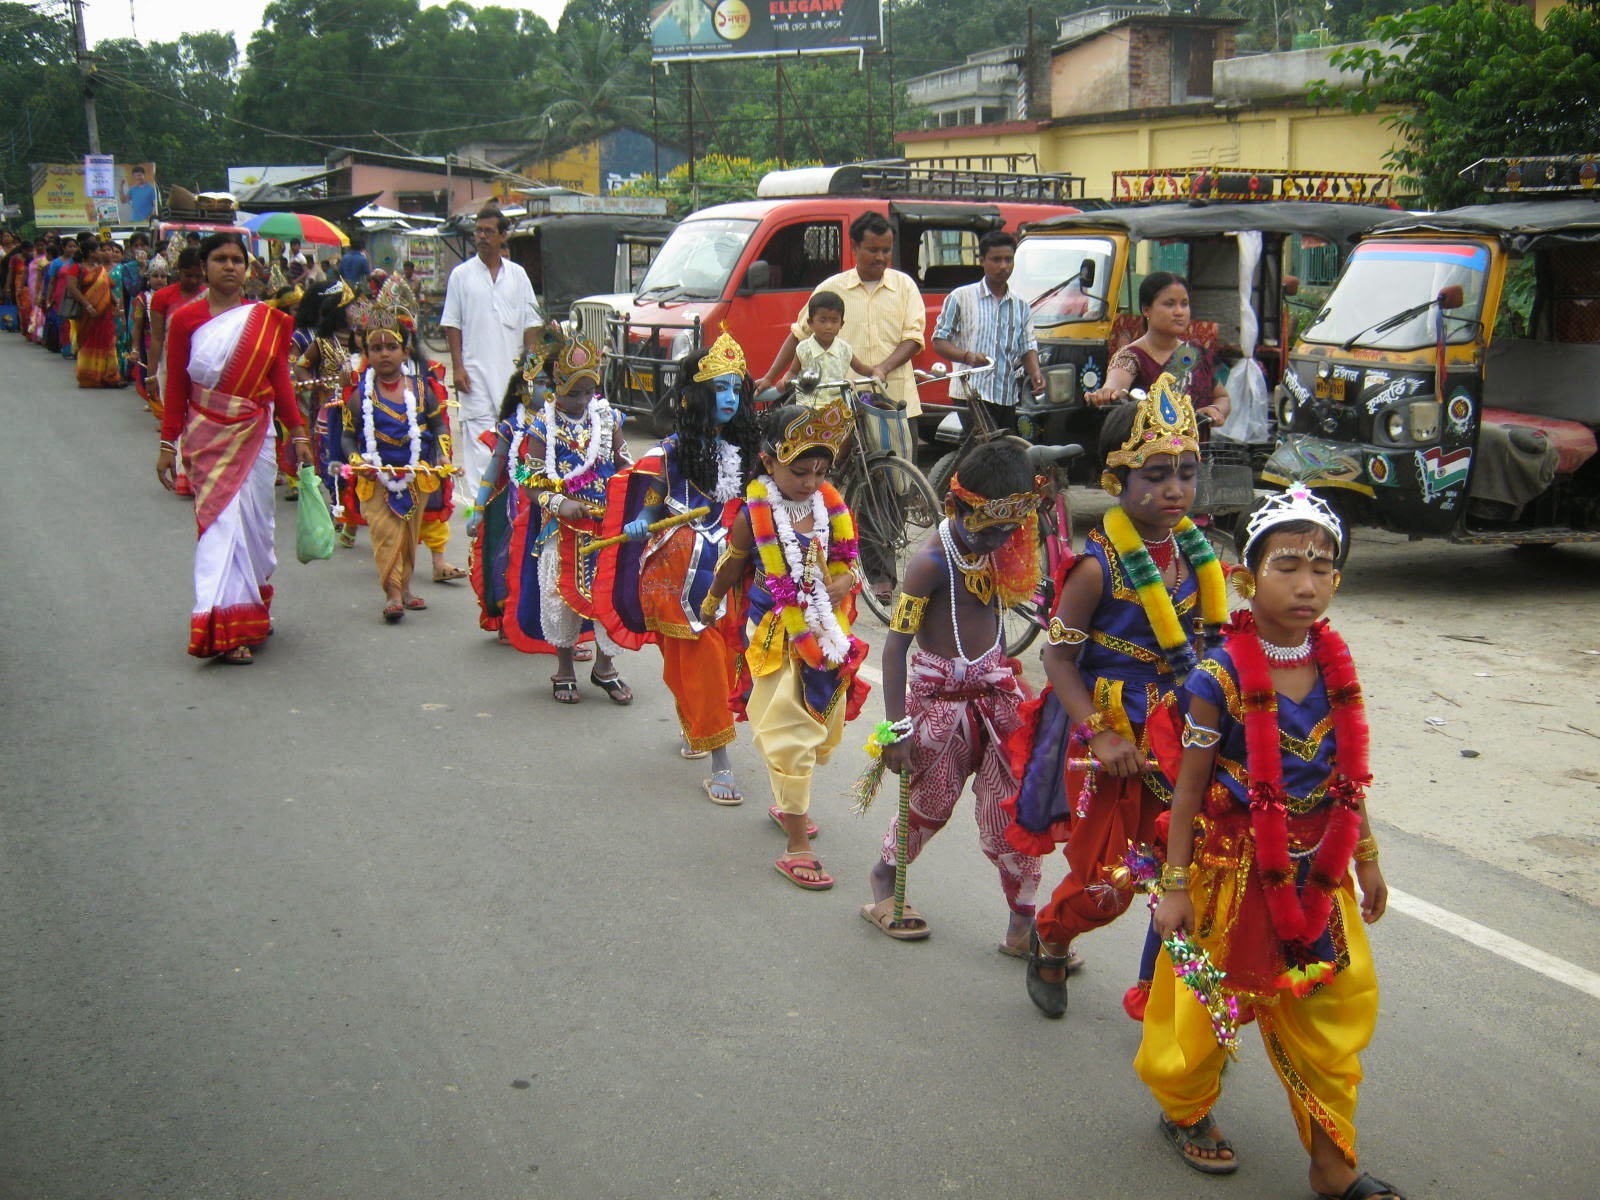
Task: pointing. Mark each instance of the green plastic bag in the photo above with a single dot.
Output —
(314, 535)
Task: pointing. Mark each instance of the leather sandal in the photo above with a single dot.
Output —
(1048, 996)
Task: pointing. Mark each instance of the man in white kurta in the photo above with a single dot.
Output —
(490, 315)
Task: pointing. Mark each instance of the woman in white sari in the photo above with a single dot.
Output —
(227, 375)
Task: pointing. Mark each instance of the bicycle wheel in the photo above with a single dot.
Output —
(939, 476)
(433, 334)
(896, 510)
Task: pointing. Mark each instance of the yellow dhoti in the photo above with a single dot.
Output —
(1313, 1043)
(394, 538)
(787, 735)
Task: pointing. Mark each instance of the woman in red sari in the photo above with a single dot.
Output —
(227, 376)
(95, 331)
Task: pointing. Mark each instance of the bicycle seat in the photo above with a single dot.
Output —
(1040, 457)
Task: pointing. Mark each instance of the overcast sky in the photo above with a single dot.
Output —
(166, 20)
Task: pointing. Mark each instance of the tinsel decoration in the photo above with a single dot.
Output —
(1195, 970)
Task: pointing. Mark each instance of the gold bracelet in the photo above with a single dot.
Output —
(708, 608)
(907, 615)
(1367, 849)
(1099, 721)
(1174, 878)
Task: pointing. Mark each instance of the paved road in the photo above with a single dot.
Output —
(374, 917)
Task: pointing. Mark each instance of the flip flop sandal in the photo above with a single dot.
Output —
(584, 653)
(1199, 1137)
(565, 690)
(776, 814)
(393, 612)
(347, 539)
(449, 575)
(726, 781)
(789, 864)
(685, 752)
(615, 689)
(1365, 1188)
(911, 927)
(416, 604)
(239, 656)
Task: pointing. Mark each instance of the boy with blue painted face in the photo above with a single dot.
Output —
(649, 588)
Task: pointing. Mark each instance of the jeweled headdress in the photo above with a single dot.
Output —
(340, 289)
(1299, 503)
(995, 510)
(376, 318)
(815, 429)
(726, 357)
(1164, 423)
(577, 360)
(544, 349)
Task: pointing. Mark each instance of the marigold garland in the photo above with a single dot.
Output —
(785, 589)
(1299, 918)
(1153, 598)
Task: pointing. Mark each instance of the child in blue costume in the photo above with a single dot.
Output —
(1268, 821)
(575, 447)
(494, 511)
(1120, 645)
(649, 587)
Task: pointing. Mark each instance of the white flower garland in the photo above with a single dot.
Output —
(600, 427)
(520, 428)
(812, 585)
(730, 473)
(395, 482)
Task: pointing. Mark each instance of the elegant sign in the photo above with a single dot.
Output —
(693, 29)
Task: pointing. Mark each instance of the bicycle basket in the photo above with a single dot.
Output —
(1226, 482)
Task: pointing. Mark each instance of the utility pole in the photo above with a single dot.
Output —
(86, 70)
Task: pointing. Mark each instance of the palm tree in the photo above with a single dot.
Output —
(593, 85)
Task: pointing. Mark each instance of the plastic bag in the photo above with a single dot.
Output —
(314, 534)
(1247, 412)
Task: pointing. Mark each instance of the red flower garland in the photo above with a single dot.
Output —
(1300, 920)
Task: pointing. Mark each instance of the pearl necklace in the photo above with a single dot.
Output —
(1287, 656)
(977, 574)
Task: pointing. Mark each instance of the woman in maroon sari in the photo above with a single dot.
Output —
(1164, 304)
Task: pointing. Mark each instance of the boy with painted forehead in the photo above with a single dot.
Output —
(1268, 822)
(961, 697)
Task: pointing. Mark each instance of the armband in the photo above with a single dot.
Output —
(1174, 878)
(653, 498)
(1061, 634)
(730, 551)
(709, 607)
(907, 615)
(1367, 849)
(1196, 736)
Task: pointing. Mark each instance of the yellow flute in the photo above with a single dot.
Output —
(694, 514)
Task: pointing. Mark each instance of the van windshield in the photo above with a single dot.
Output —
(1047, 269)
(1385, 279)
(696, 260)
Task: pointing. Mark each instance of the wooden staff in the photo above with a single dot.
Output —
(419, 469)
(902, 844)
(694, 514)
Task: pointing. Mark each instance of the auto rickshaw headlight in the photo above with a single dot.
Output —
(1394, 425)
(1424, 421)
(1286, 411)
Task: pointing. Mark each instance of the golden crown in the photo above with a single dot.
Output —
(577, 360)
(1164, 423)
(548, 343)
(995, 510)
(726, 357)
(377, 317)
(826, 428)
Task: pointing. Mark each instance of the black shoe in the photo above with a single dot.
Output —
(1050, 998)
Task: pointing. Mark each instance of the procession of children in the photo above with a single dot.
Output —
(1215, 763)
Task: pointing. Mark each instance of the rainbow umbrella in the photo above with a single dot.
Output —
(285, 226)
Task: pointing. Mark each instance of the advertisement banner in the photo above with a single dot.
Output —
(684, 29)
(62, 198)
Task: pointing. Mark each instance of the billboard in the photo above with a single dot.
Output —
(694, 29)
(63, 198)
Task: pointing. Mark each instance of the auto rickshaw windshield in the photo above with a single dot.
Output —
(1387, 278)
(696, 260)
(1051, 265)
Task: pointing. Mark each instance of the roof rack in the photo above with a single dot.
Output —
(924, 179)
(1552, 174)
(1155, 184)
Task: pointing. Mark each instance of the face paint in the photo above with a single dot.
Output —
(726, 389)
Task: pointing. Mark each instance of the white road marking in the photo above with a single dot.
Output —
(1492, 940)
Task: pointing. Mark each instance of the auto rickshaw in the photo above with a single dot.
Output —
(1244, 258)
(1450, 387)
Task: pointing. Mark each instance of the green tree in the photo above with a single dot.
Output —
(1473, 80)
(591, 84)
(41, 95)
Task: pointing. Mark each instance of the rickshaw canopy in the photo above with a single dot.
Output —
(1341, 223)
(1523, 226)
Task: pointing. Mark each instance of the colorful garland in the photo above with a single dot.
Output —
(1153, 598)
(814, 630)
(1300, 919)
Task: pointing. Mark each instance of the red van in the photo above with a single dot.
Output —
(751, 265)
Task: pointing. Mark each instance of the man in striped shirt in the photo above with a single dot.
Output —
(986, 325)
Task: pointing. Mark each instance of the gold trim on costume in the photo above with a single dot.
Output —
(997, 510)
(1059, 633)
(907, 615)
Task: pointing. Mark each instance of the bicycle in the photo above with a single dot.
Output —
(895, 507)
(429, 331)
(1022, 623)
